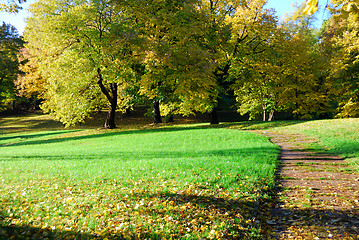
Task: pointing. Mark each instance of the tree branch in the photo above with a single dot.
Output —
(102, 87)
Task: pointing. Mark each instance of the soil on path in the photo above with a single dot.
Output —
(317, 195)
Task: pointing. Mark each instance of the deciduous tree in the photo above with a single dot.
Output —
(84, 48)
(340, 44)
(235, 29)
(10, 43)
(178, 70)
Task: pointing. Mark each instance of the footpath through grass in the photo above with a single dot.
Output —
(338, 136)
(188, 182)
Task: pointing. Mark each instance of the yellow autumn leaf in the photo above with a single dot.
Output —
(311, 7)
(353, 7)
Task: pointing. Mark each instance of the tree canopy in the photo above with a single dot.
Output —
(10, 44)
(184, 57)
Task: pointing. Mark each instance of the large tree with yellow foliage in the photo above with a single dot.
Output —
(84, 50)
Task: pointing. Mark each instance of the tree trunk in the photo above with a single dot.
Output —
(169, 118)
(110, 120)
(112, 99)
(128, 112)
(264, 112)
(271, 115)
(156, 112)
(214, 116)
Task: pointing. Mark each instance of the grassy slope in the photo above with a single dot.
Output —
(338, 136)
(191, 181)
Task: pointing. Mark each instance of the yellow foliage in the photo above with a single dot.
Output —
(311, 7)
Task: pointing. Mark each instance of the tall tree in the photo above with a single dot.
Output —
(84, 48)
(287, 76)
(178, 71)
(10, 44)
(340, 44)
(234, 30)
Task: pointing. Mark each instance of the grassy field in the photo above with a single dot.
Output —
(142, 181)
(188, 181)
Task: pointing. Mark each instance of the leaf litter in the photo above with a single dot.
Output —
(320, 202)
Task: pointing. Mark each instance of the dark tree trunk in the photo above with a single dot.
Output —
(112, 99)
(128, 112)
(214, 116)
(156, 112)
(271, 115)
(169, 118)
(110, 120)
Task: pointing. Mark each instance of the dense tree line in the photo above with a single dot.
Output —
(184, 57)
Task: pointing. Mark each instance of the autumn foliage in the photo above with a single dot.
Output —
(185, 57)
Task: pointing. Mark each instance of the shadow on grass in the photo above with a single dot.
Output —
(240, 126)
(346, 148)
(35, 135)
(90, 136)
(234, 154)
(14, 231)
(32, 122)
(188, 210)
(340, 223)
(259, 125)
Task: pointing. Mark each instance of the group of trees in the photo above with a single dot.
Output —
(183, 57)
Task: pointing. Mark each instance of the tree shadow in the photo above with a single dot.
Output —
(36, 135)
(260, 125)
(89, 136)
(239, 214)
(340, 223)
(145, 130)
(311, 218)
(233, 154)
(14, 231)
(347, 148)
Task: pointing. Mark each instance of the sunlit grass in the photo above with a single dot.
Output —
(182, 181)
(338, 136)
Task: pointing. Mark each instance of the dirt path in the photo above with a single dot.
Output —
(318, 194)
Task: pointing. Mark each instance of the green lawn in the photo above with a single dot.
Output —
(139, 182)
(188, 181)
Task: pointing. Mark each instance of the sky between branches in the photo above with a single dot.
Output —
(281, 6)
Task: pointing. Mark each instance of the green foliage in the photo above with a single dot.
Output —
(85, 56)
(82, 49)
(10, 43)
(341, 46)
(178, 71)
(285, 76)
